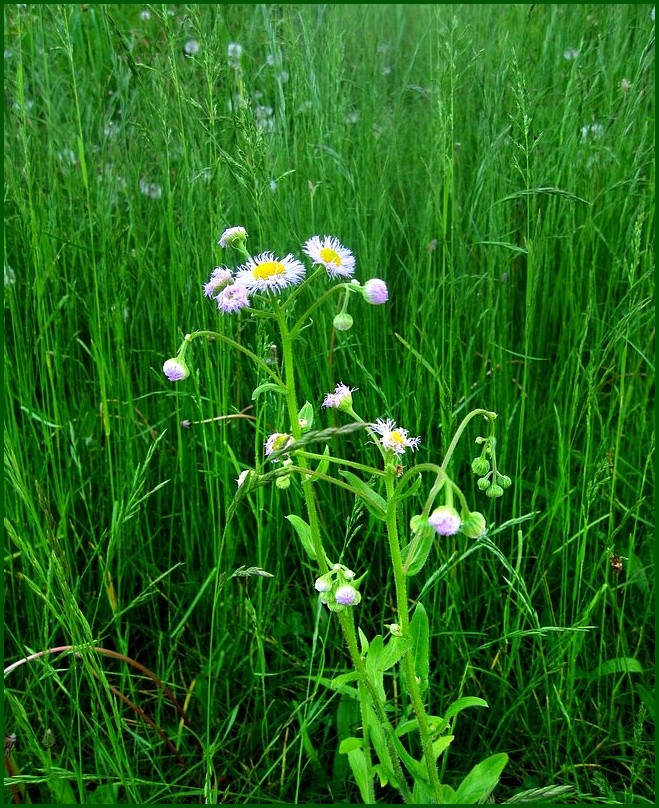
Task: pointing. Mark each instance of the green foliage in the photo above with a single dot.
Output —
(454, 150)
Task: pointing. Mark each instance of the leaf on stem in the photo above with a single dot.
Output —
(374, 502)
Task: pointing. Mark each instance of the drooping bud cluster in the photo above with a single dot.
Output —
(485, 468)
(338, 588)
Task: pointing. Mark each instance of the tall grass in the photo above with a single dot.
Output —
(506, 195)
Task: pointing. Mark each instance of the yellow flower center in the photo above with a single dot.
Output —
(267, 269)
(330, 256)
(279, 442)
(397, 437)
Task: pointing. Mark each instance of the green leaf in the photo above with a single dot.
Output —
(350, 744)
(304, 534)
(394, 650)
(105, 794)
(618, 665)
(323, 464)
(481, 781)
(422, 793)
(457, 706)
(338, 682)
(305, 417)
(363, 640)
(417, 551)
(61, 790)
(420, 633)
(267, 386)
(359, 766)
(374, 502)
(441, 745)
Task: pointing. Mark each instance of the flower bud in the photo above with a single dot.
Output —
(483, 483)
(343, 321)
(480, 465)
(176, 370)
(473, 526)
(375, 291)
(445, 520)
(233, 237)
(504, 480)
(283, 482)
(347, 595)
(322, 584)
(494, 491)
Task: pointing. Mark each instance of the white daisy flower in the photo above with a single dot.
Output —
(277, 441)
(265, 272)
(394, 438)
(330, 253)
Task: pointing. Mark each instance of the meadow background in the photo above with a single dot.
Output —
(494, 164)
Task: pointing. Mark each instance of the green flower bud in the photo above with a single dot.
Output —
(480, 465)
(504, 480)
(343, 321)
(483, 483)
(494, 491)
(473, 526)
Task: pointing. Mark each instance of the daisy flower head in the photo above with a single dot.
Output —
(265, 272)
(233, 236)
(330, 253)
(341, 398)
(232, 298)
(394, 438)
(375, 292)
(445, 520)
(176, 370)
(220, 277)
(276, 442)
(242, 477)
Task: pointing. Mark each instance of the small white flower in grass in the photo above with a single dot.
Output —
(322, 585)
(445, 520)
(265, 272)
(145, 14)
(10, 276)
(277, 441)
(232, 236)
(234, 52)
(242, 477)
(394, 438)
(232, 298)
(625, 85)
(571, 54)
(330, 253)
(220, 277)
(191, 47)
(375, 291)
(341, 398)
(150, 189)
(176, 370)
(347, 595)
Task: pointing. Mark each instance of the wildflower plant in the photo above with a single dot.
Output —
(399, 745)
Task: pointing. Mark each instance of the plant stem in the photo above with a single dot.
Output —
(404, 622)
(449, 452)
(345, 617)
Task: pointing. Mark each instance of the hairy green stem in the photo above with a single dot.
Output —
(458, 434)
(404, 622)
(345, 616)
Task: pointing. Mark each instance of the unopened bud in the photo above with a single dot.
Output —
(343, 321)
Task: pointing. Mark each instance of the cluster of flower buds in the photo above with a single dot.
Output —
(338, 588)
(484, 466)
